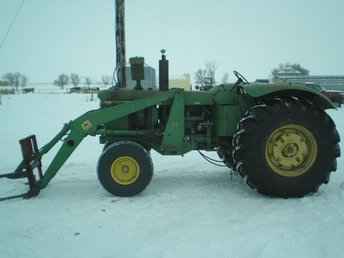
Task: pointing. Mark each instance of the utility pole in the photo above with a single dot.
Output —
(120, 43)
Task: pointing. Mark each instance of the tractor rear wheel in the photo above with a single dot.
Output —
(286, 147)
(125, 168)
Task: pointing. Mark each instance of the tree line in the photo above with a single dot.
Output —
(75, 79)
(204, 77)
(15, 80)
(18, 80)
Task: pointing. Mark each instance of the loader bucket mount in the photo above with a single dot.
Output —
(28, 168)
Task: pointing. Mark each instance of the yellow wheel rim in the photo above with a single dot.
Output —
(125, 170)
(291, 150)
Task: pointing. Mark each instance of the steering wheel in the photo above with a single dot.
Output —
(240, 77)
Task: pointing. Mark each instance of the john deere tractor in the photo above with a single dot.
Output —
(278, 137)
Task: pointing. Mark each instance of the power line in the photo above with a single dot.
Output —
(20, 7)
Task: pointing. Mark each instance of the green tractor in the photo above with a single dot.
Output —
(278, 137)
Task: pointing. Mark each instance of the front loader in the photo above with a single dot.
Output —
(278, 137)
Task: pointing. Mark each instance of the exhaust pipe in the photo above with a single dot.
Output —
(163, 72)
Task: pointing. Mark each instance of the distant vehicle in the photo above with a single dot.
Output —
(28, 90)
(262, 81)
(75, 90)
(84, 90)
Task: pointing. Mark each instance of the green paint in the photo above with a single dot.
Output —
(173, 136)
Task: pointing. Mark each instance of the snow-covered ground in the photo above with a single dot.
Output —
(191, 208)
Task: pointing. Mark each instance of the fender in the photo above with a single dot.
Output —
(298, 90)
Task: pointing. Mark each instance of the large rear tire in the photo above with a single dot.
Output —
(286, 147)
(125, 168)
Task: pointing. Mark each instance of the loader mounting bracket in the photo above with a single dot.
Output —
(26, 169)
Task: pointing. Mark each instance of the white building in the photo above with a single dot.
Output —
(331, 82)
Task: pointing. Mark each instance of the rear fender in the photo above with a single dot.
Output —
(267, 91)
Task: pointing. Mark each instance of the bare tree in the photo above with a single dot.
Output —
(75, 79)
(200, 76)
(106, 79)
(211, 68)
(62, 80)
(225, 78)
(9, 77)
(17, 77)
(205, 78)
(88, 81)
(15, 80)
(23, 81)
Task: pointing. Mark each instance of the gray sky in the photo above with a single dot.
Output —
(55, 36)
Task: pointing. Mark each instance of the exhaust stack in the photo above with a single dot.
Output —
(163, 72)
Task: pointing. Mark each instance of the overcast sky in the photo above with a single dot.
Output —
(55, 36)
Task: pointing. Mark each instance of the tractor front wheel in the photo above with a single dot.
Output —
(125, 169)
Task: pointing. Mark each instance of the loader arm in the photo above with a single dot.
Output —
(89, 124)
(71, 135)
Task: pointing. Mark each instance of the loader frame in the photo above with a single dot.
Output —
(72, 133)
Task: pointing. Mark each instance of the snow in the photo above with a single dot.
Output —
(191, 208)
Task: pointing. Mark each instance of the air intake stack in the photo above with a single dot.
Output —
(137, 67)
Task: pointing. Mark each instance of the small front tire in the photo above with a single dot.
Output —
(125, 169)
